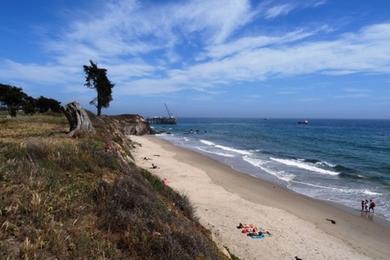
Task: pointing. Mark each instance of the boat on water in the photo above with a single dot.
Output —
(163, 120)
(304, 122)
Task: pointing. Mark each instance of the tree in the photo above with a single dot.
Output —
(29, 105)
(44, 104)
(97, 78)
(12, 97)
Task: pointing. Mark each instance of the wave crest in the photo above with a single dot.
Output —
(306, 166)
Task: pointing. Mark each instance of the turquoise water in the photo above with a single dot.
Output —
(342, 161)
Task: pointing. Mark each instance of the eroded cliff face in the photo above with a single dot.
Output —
(132, 124)
(115, 130)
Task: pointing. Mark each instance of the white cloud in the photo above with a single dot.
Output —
(272, 11)
(140, 45)
(278, 10)
(254, 42)
(363, 52)
(45, 74)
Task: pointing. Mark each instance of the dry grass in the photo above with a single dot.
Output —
(64, 198)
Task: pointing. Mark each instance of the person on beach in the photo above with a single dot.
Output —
(363, 205)
(372, 206)
(366, 205)
(240, 225)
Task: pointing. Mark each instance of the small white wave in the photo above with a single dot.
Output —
(324, 163)
(216, 153)
(303, 165)
(325, 187)
(341, 190)
(371, 193)
(162, 134)
(186, 139)
(207, 142)
(226, 148)
(281, 175)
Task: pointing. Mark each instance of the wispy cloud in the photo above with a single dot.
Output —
(273, 10)
(278, 10)
(198, 45)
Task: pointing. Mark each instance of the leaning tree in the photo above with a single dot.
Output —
(96, 78)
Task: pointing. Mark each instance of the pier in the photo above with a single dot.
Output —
(163, 120)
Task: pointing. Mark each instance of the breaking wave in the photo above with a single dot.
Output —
(226, 148)
(303, 165)
(281, 175)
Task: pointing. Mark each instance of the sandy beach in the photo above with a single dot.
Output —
(223, 197)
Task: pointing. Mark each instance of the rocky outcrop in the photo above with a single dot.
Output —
(132, 124)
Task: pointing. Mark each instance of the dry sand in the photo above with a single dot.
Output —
(223, 197)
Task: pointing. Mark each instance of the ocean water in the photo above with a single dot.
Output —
(342, 161)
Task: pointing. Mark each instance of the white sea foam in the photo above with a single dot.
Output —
(186, 139)
(303, 165)
(281, 175)
(207, 142)
(324, 163)
(341, 190)
(326, 187)
(371, 193)
(226, 148)
(217, 153)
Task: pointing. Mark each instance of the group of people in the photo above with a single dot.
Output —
(252, 231)
(367, 206)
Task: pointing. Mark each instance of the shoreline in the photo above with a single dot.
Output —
(303, 218)
(377, 219)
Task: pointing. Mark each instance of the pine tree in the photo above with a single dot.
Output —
(97, 78)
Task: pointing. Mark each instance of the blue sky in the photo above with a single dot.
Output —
(206, 58)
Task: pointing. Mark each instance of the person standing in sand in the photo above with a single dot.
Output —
(366, 205)
(363, 205)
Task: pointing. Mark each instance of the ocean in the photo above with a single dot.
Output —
(342, 161)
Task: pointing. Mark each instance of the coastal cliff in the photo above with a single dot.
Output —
(84, 197)
(132, 124)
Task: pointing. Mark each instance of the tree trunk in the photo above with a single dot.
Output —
(99, 103)
(78, 119)
(99, 110)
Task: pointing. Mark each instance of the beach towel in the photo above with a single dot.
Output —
(258, 236)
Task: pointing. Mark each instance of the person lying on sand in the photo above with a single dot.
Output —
(240, 225)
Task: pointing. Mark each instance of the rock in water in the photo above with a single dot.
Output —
(78, 119)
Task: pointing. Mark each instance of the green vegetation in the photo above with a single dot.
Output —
(96, 78)
(14, 99)
(63, 198)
